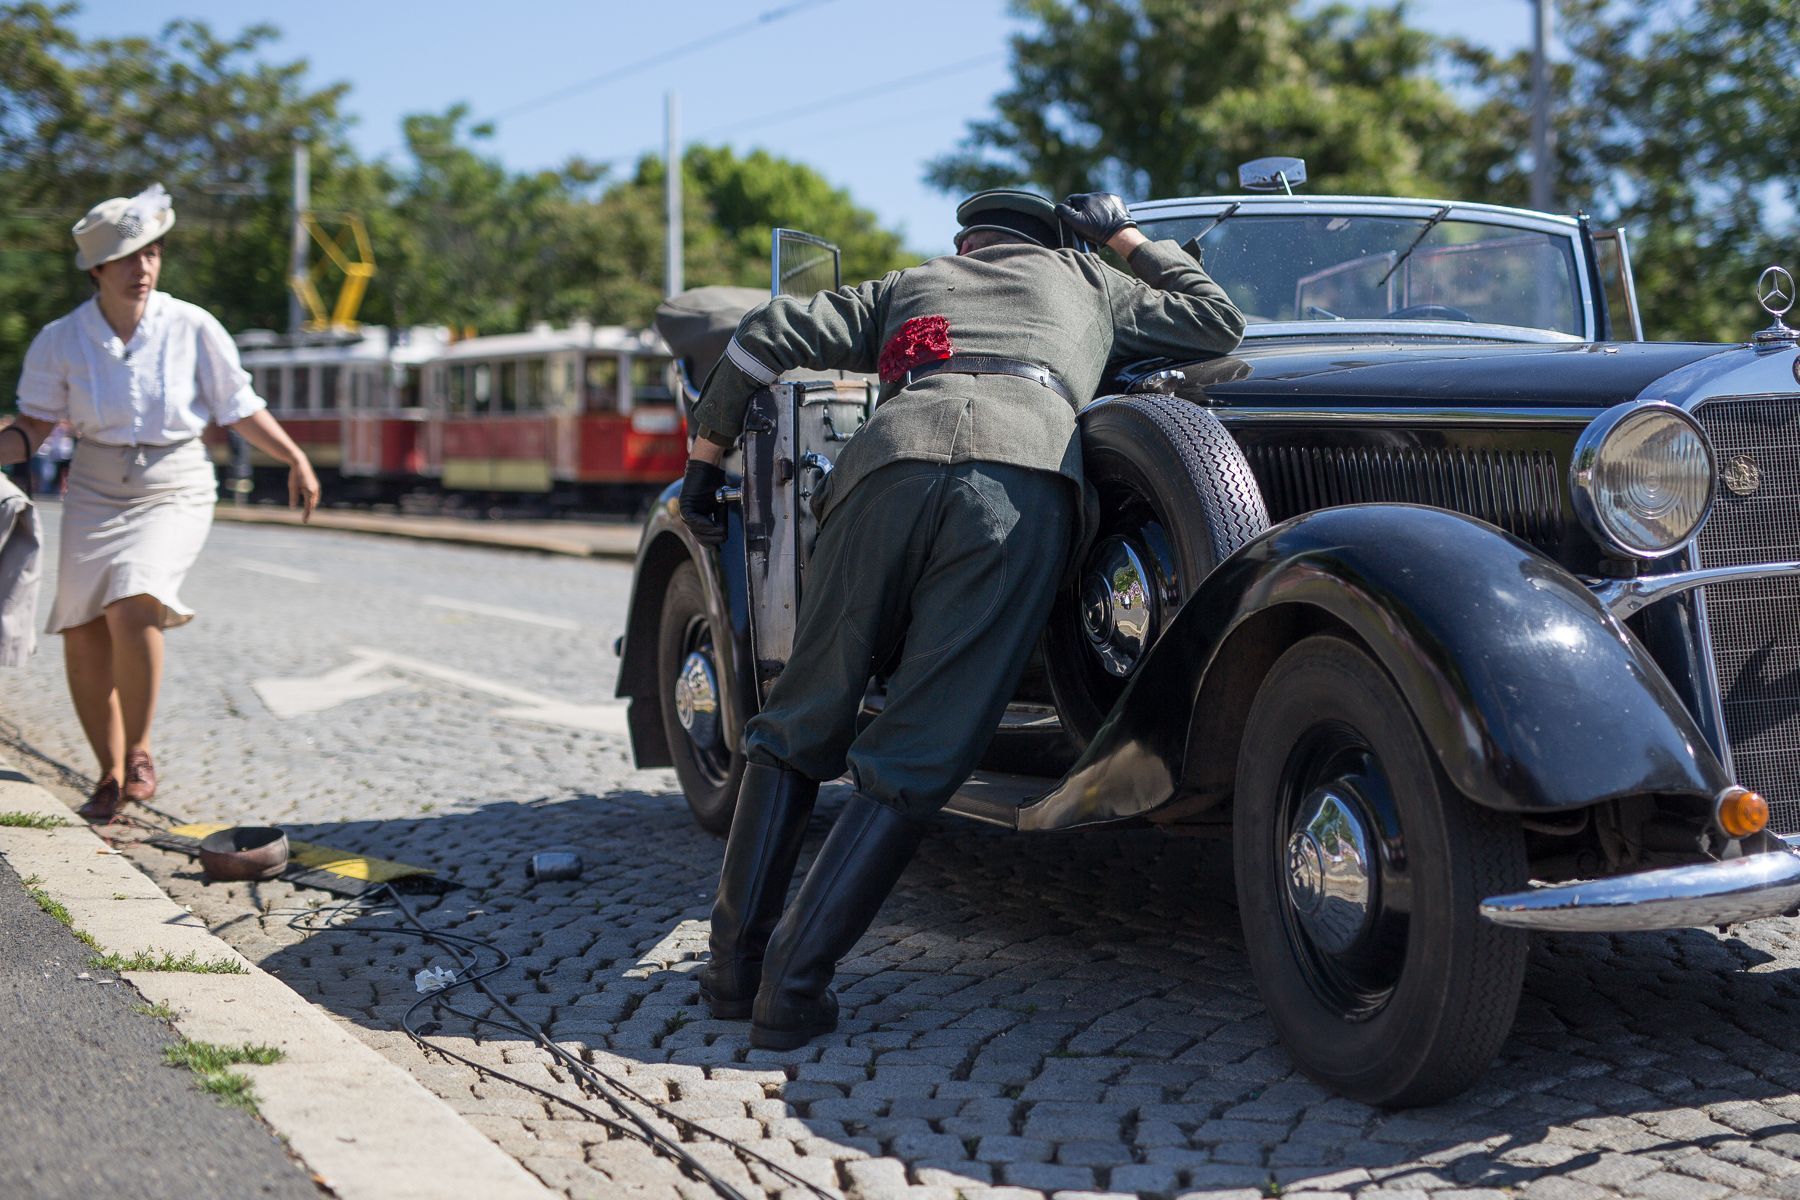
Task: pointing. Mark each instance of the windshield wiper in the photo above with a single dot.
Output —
(1219, 220)
(1430, 225)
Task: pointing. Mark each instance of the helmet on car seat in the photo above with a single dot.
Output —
(1011, 210)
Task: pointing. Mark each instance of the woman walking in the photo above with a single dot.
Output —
(137, 374)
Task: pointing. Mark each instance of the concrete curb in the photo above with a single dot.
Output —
(578, 542)
(360, 1122)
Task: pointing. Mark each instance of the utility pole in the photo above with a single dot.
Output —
(672, 248)
(297, 258)
(1541, 197)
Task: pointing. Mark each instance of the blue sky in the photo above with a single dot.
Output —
(808, 86)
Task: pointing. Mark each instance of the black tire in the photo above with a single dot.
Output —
(1409, 1006)
(709, 772)
(1175, 490)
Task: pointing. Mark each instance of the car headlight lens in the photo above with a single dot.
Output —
(1643, 478)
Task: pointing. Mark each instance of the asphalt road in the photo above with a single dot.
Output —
(1030, 1015)
(88, 1107)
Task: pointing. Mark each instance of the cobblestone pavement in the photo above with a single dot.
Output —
(1067, 1014)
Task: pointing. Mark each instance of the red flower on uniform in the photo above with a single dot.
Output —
(919, 341)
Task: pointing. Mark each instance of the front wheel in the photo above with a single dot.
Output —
(1359, 873)
(688, 687)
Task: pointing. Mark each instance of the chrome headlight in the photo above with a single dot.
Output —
(1642, 478)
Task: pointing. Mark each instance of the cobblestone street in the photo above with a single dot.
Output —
(1060, 1014)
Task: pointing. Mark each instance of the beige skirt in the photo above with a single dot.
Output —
(133, 522)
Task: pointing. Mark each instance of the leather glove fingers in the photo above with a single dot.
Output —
(1096, 216)
(699, 503)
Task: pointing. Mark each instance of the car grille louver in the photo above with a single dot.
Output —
(1517, 490)
(1755, 626)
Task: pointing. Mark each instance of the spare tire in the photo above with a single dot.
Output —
(1176, 498)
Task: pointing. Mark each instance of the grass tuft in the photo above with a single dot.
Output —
(59, 914)
(25, 820)
(209, 1062)
(144, 960)
(159, 1010)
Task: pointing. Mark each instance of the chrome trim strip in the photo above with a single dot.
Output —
(1712, 893)
(1464, 330)
(1408, 415)
(1390, 206)
(1623, 597)
(1707, 679)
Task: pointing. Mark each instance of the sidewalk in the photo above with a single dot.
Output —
(84, 1111)
(580, 539)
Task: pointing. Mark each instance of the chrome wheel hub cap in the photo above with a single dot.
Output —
(697, 701)
(1118, 606)
(1330, 877)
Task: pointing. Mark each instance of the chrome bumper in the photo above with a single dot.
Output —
(1624, 597)
(1714, 893)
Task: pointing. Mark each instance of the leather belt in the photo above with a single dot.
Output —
(990, 364)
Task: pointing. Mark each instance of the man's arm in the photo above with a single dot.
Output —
(832, 331)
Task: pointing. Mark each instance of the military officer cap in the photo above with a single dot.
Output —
(1010, 210)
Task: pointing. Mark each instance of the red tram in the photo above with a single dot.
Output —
(582, 416)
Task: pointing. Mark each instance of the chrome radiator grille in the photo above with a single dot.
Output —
(1516, 490)
(1755, 626)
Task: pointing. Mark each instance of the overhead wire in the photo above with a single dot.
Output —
(657, 59)
(873, 89)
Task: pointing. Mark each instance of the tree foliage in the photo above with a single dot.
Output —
(458, 238)
(1675, 120)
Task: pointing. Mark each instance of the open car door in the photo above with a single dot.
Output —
(791, 434)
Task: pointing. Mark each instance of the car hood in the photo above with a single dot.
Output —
(1429, 372)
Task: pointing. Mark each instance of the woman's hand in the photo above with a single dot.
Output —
(303, 488)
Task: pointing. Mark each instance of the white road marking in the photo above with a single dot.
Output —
(679, 950)
(293, 697)
(289, 698)
(275, 569)
(505, 614)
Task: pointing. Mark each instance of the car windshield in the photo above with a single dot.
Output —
(1332, 267)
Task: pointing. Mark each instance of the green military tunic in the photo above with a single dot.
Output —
(948, 518)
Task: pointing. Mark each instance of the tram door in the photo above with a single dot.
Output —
(791, 435)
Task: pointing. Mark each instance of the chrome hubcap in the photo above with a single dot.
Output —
(1330, 880)
(1118, 606)
(697, 701)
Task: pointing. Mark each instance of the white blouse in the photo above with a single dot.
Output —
(179, 371)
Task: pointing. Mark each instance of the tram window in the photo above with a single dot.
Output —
(531, 386)
(259, 383)
(300, 391)
(650, 381)
(602, 393)
(506, 390)
(481, 391)
(458, 378)
(328, 388)
(409, 387)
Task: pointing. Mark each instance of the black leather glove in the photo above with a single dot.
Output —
(700, 507)
(1096, 216)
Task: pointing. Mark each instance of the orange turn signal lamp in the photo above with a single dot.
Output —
(1742, 812)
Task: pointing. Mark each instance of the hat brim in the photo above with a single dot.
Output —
(165, 222)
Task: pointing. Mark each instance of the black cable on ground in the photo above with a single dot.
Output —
(617, 1094)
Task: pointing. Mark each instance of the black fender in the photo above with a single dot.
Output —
(665, 544)
(1532, 695)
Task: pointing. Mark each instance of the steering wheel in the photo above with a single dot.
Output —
(1431, 312)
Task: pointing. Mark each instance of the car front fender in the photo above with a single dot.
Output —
(1531, 694)
(665, 544)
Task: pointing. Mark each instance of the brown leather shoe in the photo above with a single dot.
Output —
(104, 804)
(140, 776)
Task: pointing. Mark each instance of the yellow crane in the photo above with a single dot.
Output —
(339, 235)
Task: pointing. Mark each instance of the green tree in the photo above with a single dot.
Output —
(1677, 123)
(1167, 97)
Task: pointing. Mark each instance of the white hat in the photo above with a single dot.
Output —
(123, 225)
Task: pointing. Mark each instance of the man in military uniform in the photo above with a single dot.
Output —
(945, 526)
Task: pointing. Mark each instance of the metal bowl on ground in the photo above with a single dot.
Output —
(244, 852)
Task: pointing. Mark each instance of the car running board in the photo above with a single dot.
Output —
(997, 798)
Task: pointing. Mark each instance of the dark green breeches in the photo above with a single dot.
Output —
(948, 572)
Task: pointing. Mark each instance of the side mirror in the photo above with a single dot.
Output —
(1272, 174)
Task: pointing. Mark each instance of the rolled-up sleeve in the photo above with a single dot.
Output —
(44, 381)
(225, 387)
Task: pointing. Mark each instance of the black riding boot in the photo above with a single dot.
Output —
(856, 869)
(773, 806)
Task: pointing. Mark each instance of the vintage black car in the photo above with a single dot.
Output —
(1463, 609)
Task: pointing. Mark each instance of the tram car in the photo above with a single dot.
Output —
(579, 417)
